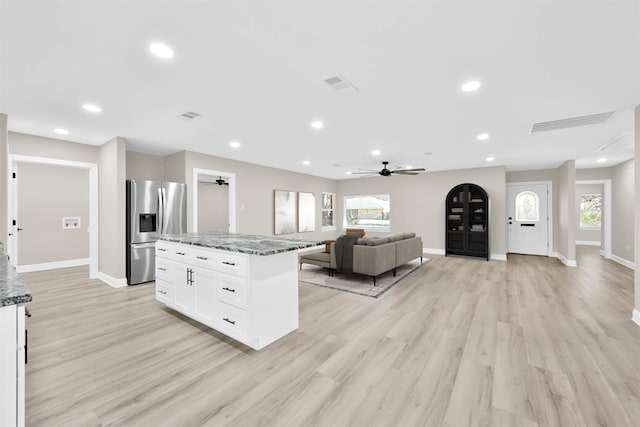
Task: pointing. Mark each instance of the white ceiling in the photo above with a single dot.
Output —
(255, 72)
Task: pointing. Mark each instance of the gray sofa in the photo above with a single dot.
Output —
(373, 256)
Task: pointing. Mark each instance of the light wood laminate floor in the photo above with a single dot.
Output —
(459, 342)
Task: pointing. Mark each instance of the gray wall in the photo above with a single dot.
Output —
(593, 174)
(4, 153)
(588, 235)
(39, 146)
(213, 207)
(174, 171)
(144, 166)
(636, 222)
(622, 220)
(111, 184)
(254, 192)
(46, 193)
(566, 210)
(542, 175)
(418, 202)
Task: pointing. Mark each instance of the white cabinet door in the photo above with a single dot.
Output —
(204, 282)
(184, 290)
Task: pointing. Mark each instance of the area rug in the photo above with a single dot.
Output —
(358, 283)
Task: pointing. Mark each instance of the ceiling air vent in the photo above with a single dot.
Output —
(189, 115)
(341, 85)
(573, 122)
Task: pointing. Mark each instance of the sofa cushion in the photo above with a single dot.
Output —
(395, 237)
(408, 235)
(317, 256)
(376, 241)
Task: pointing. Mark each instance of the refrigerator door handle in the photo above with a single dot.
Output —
(160, 210)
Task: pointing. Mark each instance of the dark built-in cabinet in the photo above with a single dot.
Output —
(467, 221)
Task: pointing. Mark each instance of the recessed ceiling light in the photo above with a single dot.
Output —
(234, 144)
(61, 131)
(306, 162)
(317, 124)
(375, 153)
(349, 173)
(408, 167)
(161, 50)
(428, 153)
(92, 108)
(482, 136)
(601, 160)
(470, 86)
(490, 159)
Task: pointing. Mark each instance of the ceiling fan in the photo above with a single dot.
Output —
(218, 181)
(387, 172)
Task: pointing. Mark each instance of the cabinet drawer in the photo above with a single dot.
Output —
(202, 258)
(163, 270)
(179, 253)
(231, 264)
(164, 291)
(232, 290)
(233, 321)
(162, 249)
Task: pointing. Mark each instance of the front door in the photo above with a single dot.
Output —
(528, 219)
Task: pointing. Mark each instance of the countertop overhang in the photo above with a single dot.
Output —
(12, 289)
(242, 243)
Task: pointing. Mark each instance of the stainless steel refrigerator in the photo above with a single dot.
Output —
(153, 207)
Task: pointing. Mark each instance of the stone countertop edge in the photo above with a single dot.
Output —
(12, 289)
(241, 243)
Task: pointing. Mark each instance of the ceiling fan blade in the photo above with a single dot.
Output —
(409, 171)
(369, 175)
(365, 173)
(368, 170)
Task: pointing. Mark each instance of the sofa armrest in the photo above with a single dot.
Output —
(407, 250)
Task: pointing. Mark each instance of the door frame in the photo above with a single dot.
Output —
(231, 177)
(606, 190)
(12, 205)
(549, 184)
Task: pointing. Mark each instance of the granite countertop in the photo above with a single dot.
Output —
(242, 243)
(12, 290)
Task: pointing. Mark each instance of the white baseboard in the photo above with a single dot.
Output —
(499, 257)
(553, 254)
(588, 243)
(112, 281)
(635, 316)
(52, 265)
(433, 251)
(567, 262)
(605, 254)
(623, 261)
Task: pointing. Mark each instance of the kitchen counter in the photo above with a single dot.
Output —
(241, 243)
(12, 289)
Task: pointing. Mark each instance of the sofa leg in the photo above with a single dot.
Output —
(420, 260)
(374, 280)
(394, 272)
(300, 266)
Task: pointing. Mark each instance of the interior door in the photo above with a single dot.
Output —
(528, 219)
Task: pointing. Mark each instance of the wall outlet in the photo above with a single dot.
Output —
(70, 222)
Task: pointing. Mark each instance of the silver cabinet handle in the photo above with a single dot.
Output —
(204, 258)
(162, 250)
(162, 269)
(228, 263)
(179, 253)
(233, 322)
(229, 289)
(162, 292)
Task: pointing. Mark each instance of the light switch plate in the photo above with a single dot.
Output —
(70, 222)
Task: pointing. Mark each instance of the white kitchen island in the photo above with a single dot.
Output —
(244, 286)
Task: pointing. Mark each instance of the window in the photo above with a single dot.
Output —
(328, 208)
(372, 212)
(527, 206)
(590, 211)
